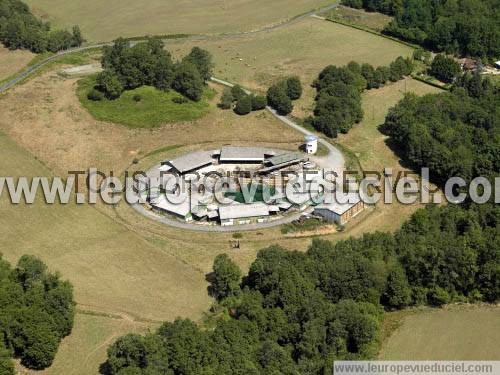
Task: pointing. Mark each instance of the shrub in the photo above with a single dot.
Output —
(293, 88)
(444, 68)
(237, 92)
(226, 277)
(438, 297)
(358, 4)
(202, 59)
(419, 295)
(418, 54)
(188, 81)
(278, 99)
(180, 100)
(244, 105)
(137, 98)
(95, 95)
(109, 83)
(258, 102)
(227, 99)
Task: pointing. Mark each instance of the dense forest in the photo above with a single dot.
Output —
(19, 28)
(338, 98)
(294, 312)
(127, 67)
(36, 312)
(453, 133)
(463, 27)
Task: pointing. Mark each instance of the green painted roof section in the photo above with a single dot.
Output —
(285, 158)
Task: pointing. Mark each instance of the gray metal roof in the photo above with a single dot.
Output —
(347, 201)
(234, 153)
(285, 158)
(193, 160)
(181, 209)
(239, 211)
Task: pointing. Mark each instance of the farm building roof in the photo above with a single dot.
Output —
(191, 161)
(285, 158)
(342, 204)
(240, 211)
(234, 153)
(181, 209)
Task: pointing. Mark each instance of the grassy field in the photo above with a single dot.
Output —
(372, 20)
(85, 349)
(256, 60)
(113, 269)
(366, 143)
(460, 332)
(107, 20)
(45, 116)
(13, 61)
(154, 108)
(124, 264)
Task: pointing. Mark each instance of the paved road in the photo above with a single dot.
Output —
(218, 228)
(32, 69)
(334, 159)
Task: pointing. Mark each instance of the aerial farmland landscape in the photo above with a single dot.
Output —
(249, 187)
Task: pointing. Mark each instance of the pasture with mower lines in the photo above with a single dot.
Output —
(107, 20)
(468, 332)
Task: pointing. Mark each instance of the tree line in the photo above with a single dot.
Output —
(240, 101)
(36, 312)
(295, 312)
(338, 98)
(279, 96)
(463, 27)
(20, 29)
(127, 67)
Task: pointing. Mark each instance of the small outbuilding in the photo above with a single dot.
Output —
(311, 144)
(342, 210)
(180, 210)
(238, 213)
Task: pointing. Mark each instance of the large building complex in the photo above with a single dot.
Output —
(266, 171)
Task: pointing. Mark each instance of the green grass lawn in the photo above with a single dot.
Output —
(107, 20)
(155, 108)
(372, 20)
(460, 332)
